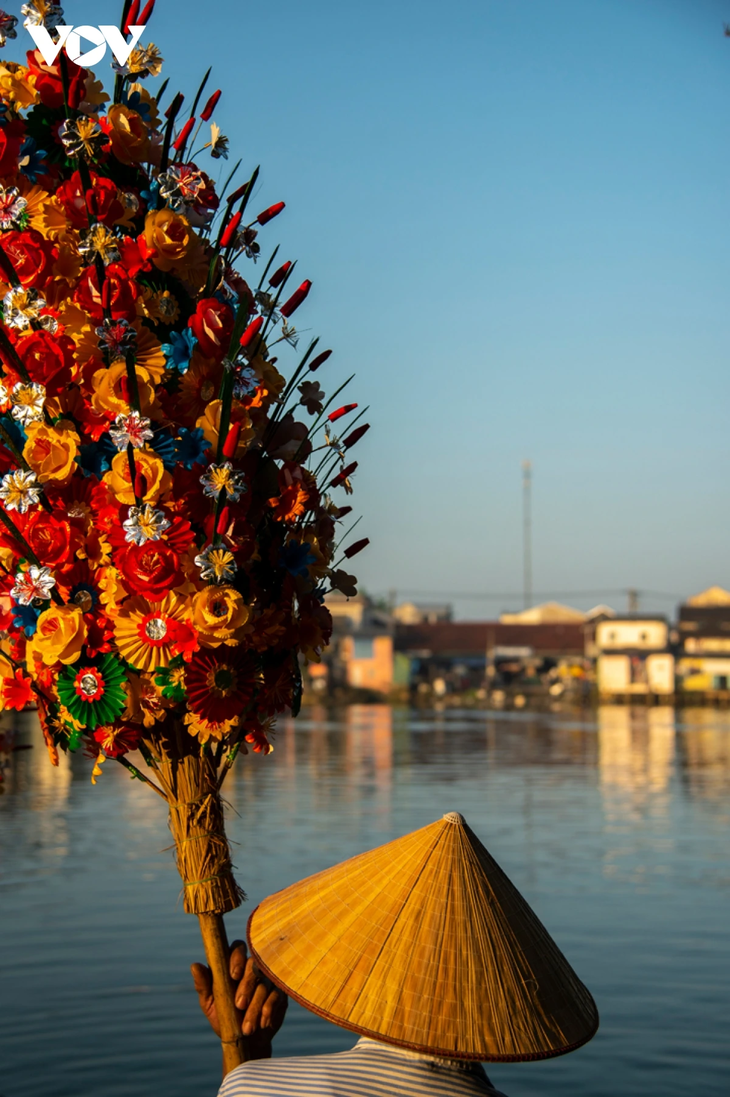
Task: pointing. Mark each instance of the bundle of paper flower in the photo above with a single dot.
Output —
(166, 543)
(166, 539)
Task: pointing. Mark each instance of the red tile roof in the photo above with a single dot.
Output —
(467, 639)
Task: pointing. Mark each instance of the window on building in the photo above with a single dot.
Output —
(364, 647)
(643, 636)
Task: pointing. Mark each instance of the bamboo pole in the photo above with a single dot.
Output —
(213, 932)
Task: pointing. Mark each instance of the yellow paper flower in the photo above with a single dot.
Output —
(150, 635)
(149, 353)
(128, 134)
(204, 730)
(60, 634)
(17, 86)
(210, 420)
(51, 451)
(94, 94)
(219, 615)
(170, 235)
(163, 307)
(110, 390)
(156, 481)
(112, 591)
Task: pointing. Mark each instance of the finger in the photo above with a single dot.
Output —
(203, 983)
(247, 985)
(252, 1019)
(237, 962)
(273, 1010)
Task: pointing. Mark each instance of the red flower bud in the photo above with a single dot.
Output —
(146, 14)
(271, 212)
(132, 16)
(335, 415)
(175, 105)
(357, 547)
(252, 331)
(233, 198)
(139, 485)
(317, 362)
(223, 520)
(355, 436)
(342, 476)
(279, 275)
(343, 511)
(230, 230)
(296, 299)
(210, 106)
(184, 134)
(231, 442)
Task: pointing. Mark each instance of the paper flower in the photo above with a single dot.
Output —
(150, 635)
(223, 478)
(20, 490)
(144, 524)
(131, 430)
(93, 692)
(35, 583)
(220, 685)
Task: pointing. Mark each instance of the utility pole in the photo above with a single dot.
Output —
(527, 533)
(633, 600)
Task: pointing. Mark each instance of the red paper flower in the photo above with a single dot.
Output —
(115, 741)
(220, 684)
(11, 138)
(30, 255)
(212, 324)
(52, 539)
(16, 692)
(151, 569)
(121, 291)
(49, 359)
(49, 82)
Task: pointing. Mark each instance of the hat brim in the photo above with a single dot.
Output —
(438, 1052)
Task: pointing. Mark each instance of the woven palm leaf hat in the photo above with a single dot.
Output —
(424, 943)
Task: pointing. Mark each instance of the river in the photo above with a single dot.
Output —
(615, 825)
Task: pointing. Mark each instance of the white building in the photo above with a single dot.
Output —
(633, 657)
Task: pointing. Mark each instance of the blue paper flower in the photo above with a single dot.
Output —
(191, 447)
(13, 428)
(296, 557)
(151, 195)
(96, 458)
(32, 160)
(25, 617)
(134, 101)
(180, 350)
(164, 446)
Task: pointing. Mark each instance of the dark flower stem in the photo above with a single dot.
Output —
(140, 775)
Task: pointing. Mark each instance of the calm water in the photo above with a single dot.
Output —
(615, 828)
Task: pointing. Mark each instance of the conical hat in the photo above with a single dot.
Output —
(425, 943)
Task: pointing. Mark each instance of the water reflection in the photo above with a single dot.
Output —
(613, 822)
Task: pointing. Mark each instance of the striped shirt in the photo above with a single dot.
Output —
(370, 1069)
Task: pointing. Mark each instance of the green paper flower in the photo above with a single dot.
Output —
(171, 681)
(92, 690)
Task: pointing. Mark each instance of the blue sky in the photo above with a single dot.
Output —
(515, 216)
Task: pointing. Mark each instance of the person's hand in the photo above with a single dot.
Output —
(260, 1006)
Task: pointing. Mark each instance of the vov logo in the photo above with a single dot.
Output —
(69, 38)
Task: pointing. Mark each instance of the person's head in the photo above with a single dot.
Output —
(424, 943)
